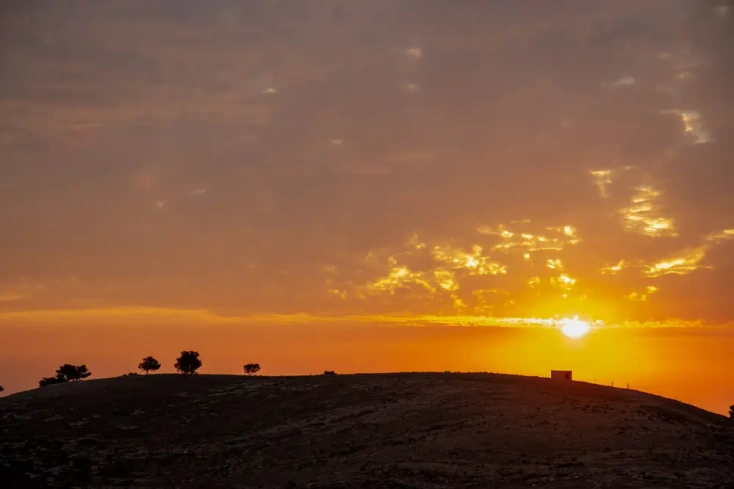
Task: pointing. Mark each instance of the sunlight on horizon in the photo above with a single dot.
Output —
(574, 327)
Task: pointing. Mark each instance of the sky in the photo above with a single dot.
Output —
(304, 171)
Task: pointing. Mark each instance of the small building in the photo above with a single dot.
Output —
(561, 375)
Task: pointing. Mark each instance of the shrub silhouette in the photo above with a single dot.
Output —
(731, 411)
(329, 372)
(51, 381)
(252, 368)
(188, 363)
(73, 372)
(1, 388)
(148, 364)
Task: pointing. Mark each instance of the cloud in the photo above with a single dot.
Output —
(644, 214)
(21, 290)
(489, 160)
(613, 269)
(642, 296)
(513, 240)
(623, 81)
(693, 126)
(681, 263)
(166, 317)
(473, 263)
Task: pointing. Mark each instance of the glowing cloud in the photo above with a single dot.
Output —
(416, 243)
(693, 126)
(641, 297)
(398, 277)
(613, 269)
(556, 239)
(564, 282)
(719, 236)
(644, 217)
(602, 179)
(445, 279)
(681, 264)
(474, 263)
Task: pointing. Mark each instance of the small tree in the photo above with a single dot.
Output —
(188, 363)
(73, 372)
(329, 372)
(731, 411)
(148, 364)
(252, 368)
(1, 388)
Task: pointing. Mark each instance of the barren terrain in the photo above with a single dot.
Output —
(357, 431)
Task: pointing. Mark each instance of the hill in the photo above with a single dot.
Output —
(356, 431)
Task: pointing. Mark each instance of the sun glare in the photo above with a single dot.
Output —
(574, 328)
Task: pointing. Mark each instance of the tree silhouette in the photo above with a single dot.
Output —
(66, 373)
(188, 363)
(329, 372)
(1, 388)
(252, 368)
(148, 364)
(73, 372)
(731, 411)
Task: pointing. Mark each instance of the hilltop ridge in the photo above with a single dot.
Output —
(409, 430)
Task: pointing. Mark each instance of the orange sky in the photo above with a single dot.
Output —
(394, 184)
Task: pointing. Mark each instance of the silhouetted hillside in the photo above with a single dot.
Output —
(357, 431)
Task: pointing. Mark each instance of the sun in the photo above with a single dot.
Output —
(574, 327)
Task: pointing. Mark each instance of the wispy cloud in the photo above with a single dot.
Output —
(644, 215)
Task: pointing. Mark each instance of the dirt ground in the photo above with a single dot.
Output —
(417, 430)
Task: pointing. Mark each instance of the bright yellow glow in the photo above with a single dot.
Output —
(564, 281)
(574, 327)
(445, 279)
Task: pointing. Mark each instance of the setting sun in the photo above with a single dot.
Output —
(574, 327)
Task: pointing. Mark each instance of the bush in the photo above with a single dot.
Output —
(731, 411)
(252, 368)
(149, 364)
(188, 363)
(51, 381)
(1, 388)
(329, 372)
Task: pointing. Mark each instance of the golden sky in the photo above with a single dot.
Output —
(394, 162)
